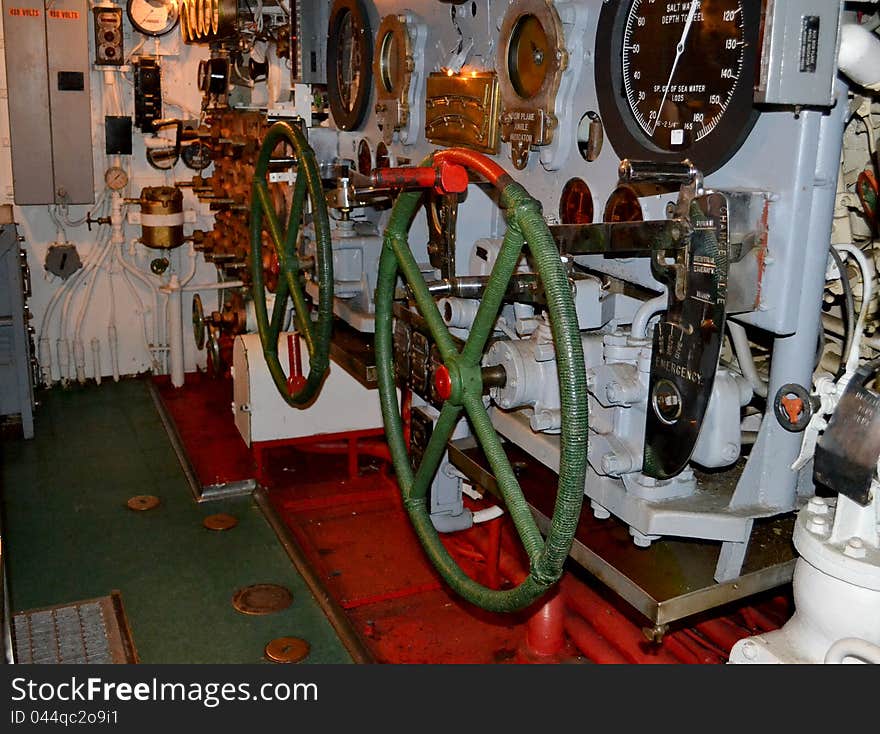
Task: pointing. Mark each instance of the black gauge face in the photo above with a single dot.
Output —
(675, 78)
(349, 61)
(528, 56)
(196, 156)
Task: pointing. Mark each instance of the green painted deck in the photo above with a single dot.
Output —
(70, 535)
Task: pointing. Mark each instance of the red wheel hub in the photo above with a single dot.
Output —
(443, 383)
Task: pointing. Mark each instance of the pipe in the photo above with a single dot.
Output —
(113, 342)
(591, 643)
(79, 361)
(545, 630)
(212, 286)
(611, 624)
(490, 513)
(859, 56)
(644, 314)
(853, 647)
(175, 331)
(744, 356)
(96, 359)
(852, 360)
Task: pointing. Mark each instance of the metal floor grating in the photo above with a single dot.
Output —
(93, 631)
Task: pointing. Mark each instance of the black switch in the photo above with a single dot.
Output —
(71, 81)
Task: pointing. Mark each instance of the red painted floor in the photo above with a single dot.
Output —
(358, 539)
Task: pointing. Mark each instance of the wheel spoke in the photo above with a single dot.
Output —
(261, 191)
(424, 300)
(296, 217)
(504, 476)
(435, 450)
(487, 313)
(280, 307)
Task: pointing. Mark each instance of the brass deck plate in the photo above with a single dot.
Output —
(672, 579)
(142, 502)
(287, 650)
(261, 599)
(221, 521)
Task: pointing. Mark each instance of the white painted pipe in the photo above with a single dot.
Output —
(859, 56)
(852, 360)
(213, 286)
(45, 360)
(96, 359)
(644, 314)
(175, 331)
(744, 356)
(853, 647)
(62, 348)
(79, 361)
(113, 342)
(490, 513)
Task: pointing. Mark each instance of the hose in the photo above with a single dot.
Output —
(849, 311)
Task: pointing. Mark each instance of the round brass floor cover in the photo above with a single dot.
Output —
(287, 650)
(261, 599)
(143, 502)
(221, 521)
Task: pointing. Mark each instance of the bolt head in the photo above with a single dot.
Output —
(854, 548)
(749, 650)
(817, 506)
(817, 525)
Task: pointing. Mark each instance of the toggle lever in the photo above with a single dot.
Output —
(444, 178)
(296, 381)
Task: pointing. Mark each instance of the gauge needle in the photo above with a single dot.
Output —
(679, 50)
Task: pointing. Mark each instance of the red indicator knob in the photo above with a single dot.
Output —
(443, 383)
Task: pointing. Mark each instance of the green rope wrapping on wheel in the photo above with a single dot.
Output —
(315, 334)
(546, 557)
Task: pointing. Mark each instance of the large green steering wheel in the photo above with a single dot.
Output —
(465, 387)
(316, 335)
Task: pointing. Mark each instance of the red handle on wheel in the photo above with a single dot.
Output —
(445, 178)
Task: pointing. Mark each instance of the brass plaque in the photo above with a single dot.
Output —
(462, 110)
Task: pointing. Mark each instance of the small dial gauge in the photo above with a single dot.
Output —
(116, 178)
(675, 77)
(196, 156)
(153, 17)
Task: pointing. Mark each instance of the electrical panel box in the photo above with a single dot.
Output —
(108, 36)
(47, 66)
(799, 53)
(308, 42)
(147, 93)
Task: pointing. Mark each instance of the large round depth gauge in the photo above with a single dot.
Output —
(675, 79)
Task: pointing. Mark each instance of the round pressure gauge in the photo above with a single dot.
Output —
(349, 63)
(153, 17)
(116, 178)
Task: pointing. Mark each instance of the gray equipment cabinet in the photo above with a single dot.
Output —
(16, 343)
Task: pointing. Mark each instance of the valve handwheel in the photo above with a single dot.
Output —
(315, 335)
(460, 378)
